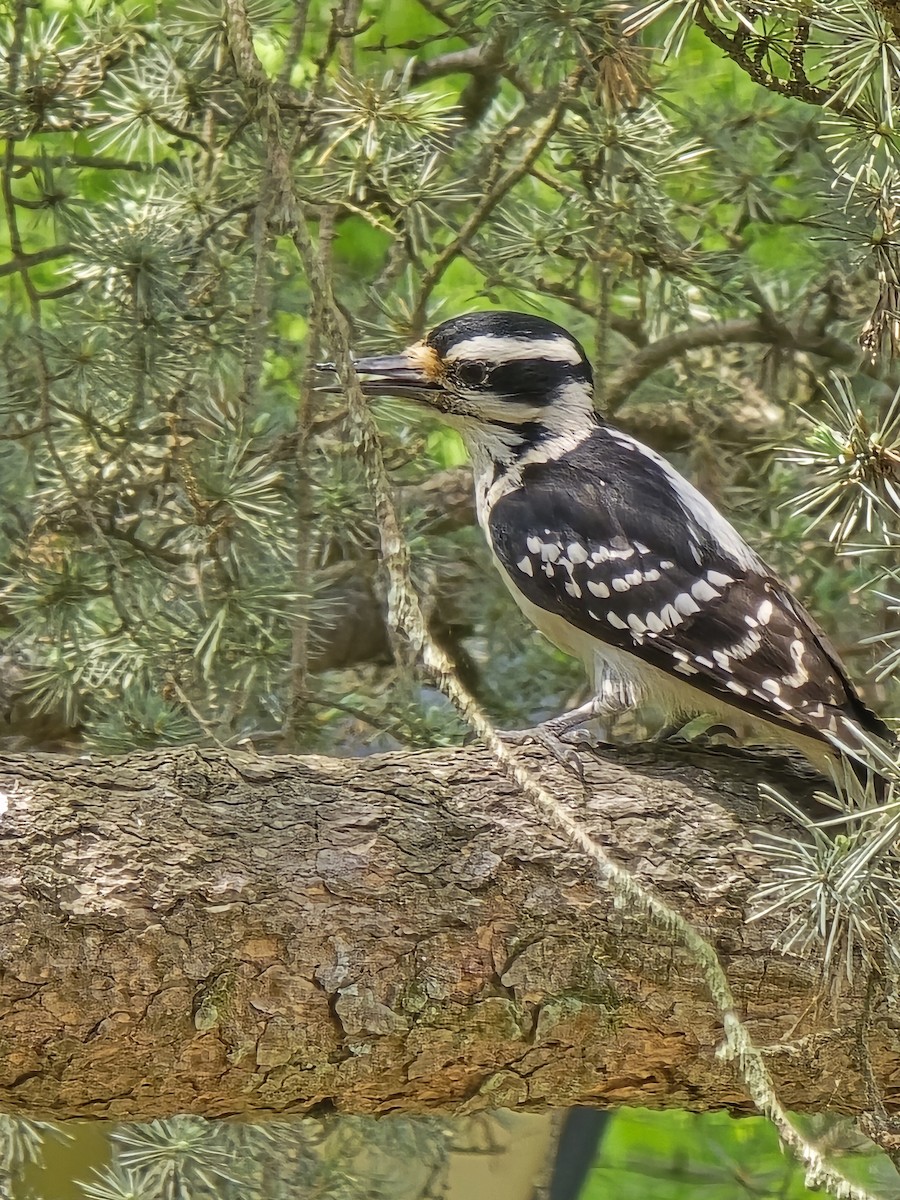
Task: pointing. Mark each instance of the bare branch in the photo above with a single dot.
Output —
(799, 88)
(753, 330)
(24, 260)
(496, 188)
(471, 60)
(232, 935)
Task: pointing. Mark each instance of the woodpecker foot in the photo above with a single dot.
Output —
(560, 734)
(550, 739)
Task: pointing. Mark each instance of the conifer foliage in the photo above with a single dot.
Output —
(185, 536)
(704, 191)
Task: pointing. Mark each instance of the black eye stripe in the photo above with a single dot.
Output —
(534, 379)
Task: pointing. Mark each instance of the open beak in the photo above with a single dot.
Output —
(391, 375)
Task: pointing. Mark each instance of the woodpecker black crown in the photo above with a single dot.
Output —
(513, 355)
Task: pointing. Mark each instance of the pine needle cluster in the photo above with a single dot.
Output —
(704, 191)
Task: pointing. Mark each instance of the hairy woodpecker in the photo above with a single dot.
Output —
(614, 556)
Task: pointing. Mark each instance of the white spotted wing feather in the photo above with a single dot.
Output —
(634, 558)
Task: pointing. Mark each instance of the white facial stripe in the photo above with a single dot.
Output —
(513, 349)
(574, 396)
(570, 412)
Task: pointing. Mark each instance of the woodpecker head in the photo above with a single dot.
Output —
(501, 378)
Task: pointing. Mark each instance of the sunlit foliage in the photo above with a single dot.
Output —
(704, 191)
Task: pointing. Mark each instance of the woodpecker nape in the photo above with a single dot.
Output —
(617, 558)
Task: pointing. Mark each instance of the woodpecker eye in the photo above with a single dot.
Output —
(472, 374)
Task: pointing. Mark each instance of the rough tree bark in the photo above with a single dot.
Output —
(196, 931)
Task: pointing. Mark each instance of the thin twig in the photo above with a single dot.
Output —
(496, 189)
(799, 88)
(295, 40)
(298, 698)
(99, 161)
(25, 260)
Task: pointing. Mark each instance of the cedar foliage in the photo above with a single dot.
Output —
(185, 530)
(704, 192)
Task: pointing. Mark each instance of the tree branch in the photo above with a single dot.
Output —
(25, 261)
(751, 330)
(540, 121)
(475, 59)
(197, 931)
(798, 87)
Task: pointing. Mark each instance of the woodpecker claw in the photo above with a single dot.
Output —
(551, 740)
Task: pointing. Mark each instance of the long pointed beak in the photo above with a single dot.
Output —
(404, 375)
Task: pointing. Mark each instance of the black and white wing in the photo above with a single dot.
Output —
(610, 538)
